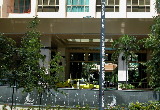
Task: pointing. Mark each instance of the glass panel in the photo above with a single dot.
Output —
(110, 2)
(21, 7)
(135, 8)
(147, 9)
(68, 8)
(98, 2)
(93, 57)
(110, 9)
(74, 2)
(45, 2)
(74, 9)
(77, 56)
(49, 9)
(39, 9)
(69, 2)
(141, 2)
(98, 9)
(57, 2)
(52, 2)
(16, 6)
(81, 2)
(141, 9)
(106, 2)
(39, 2)
(82, 9)
(128, 2)
(87, 9)
(79, 8)
(117, 9)
(147, 2)
(27, 6)
(116, 2)
(86, 2)
(128, 8)
(134, 2)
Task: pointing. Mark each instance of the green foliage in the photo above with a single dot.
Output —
(127, 86)
(7, 58)
(126, 45)
(24, 66)
(87, 71)
(151, 105)
(153, 43)
(157, 6)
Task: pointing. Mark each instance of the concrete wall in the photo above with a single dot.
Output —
(78, 97)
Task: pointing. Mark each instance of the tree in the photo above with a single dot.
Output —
(7, 58)
(21, 66)
(32, 75)
(153, 44)
(127, 45)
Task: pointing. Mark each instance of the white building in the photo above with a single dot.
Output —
(73, 27)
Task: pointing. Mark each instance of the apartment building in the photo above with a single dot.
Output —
(72, 27)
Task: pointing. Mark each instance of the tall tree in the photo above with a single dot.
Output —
(7, 58)
(32, 75)
(21, 66)
(127, 45)
(153, 44)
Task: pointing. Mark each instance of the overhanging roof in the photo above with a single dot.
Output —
(79, 26)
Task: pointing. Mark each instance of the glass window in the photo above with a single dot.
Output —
(134, 2)
(141, 2)
(110, 2)
(147, 2)
(48, 5)
(128, 2)
(77, 5)
(22, 6)
(98, 2)
(138, 5)
(111, 6)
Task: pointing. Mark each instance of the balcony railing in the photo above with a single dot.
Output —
(19, 9)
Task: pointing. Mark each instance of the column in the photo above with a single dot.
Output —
(46, 42)
(62, 8)
(92, 8)
(123, 8)
(122, 73)
(63, 62)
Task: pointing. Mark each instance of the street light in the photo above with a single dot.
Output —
(102, 57)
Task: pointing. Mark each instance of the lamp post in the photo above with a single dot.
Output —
(102, 58)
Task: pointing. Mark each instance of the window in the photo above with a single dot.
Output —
(77, 5)
(48, 5)
(138, 5)
(111, 6)
(22, 6)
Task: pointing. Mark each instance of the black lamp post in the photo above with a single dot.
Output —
(102, 58)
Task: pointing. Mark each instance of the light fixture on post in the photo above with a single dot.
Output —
(102, 57)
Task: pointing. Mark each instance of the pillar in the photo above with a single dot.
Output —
(46, 42)
(63, 62)
(122, 74)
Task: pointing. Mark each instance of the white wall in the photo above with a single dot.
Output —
(92, 11)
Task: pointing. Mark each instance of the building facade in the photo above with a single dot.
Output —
(72, 27)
